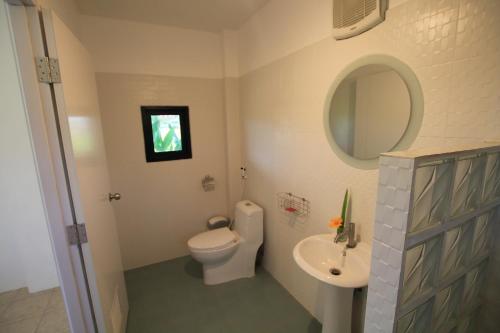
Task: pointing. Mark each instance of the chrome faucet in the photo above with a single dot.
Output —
(350, 232)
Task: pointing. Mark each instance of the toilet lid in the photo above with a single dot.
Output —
(213, 239)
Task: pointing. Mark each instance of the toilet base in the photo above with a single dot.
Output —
(240, 265)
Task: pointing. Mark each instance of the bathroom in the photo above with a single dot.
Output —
(258, 77)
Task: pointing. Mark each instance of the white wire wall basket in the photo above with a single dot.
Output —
(294, 205)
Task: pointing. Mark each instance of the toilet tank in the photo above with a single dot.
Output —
(249, 221)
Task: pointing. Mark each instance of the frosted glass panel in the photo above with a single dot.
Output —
(420, 267)
(481, 239)
(416, 321)
(457, 243)
(446, 307)
(468, 324)
(492, 178)
(474, 280)
(430, 199)
(467, 186)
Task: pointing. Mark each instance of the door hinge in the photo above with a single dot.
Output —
(77, 234)
(48, 70)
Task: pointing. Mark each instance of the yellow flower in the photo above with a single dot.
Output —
(335, 222)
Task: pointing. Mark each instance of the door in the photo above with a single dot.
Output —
(76, 121)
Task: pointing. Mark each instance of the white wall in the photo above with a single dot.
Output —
(233, 143)
(26, 257)
(230, 53)
(280, 28)
(67, 10)
(232, 119)
(119, 46)
(289, 60)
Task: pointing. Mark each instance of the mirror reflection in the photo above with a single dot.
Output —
(370, 111)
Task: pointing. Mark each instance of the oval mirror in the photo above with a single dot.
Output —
(373, 108)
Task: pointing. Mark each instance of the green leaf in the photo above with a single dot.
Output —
(177, 143)
(168, 140)
(344, 206)
(157, 140)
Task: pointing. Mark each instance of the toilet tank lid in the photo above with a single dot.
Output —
(248, 207)
(212, 239)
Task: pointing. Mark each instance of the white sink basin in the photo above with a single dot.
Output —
(318, 255)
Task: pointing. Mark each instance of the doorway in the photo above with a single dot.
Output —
(64, 137)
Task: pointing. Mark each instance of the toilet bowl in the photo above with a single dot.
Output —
(213, 246)
(230, 254)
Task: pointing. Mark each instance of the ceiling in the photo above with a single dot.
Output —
(207, 15)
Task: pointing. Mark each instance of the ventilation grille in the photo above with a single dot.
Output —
(349, 12)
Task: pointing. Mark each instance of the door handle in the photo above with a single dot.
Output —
(114, 196)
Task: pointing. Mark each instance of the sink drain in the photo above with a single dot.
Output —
(335, 271)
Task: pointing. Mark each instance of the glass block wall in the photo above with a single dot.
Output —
(435, 219)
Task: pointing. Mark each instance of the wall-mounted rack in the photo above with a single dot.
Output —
(294, 205)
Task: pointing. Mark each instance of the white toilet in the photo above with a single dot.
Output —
(230, 254)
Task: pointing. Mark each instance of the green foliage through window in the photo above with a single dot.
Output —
(166, 133)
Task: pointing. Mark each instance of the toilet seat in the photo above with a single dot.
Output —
(213, 240)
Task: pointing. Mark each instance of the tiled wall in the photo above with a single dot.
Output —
(433, 237)
(155, 218)
(453, 47)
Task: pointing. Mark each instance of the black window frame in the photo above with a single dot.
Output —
(183, 113)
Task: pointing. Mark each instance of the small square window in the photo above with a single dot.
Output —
(166, 133)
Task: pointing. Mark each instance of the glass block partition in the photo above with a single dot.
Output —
(432, 238)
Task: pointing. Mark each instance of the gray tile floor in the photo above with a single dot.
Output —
(41, 312)
(170, 297)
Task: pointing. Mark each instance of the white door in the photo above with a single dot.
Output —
(77, 121)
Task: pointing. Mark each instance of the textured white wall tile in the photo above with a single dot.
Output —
(403, 197)
(384, 160)
(397, 239)
(474, 95)
(436, 82)
(394, 258)
(401, 219)
(404, 177)
(478, 27)
(391, 275)
(389, 233)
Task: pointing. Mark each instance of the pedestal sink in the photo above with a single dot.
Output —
(323, 259)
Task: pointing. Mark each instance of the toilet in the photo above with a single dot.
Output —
(230, 254)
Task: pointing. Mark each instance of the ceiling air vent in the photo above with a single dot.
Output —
(352, 17)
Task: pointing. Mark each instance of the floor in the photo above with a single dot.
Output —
(41, 312)
(171, 297)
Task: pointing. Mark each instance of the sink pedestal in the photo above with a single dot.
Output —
(340, 273)
(337, 309)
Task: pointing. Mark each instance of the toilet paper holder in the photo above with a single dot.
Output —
(208, 183)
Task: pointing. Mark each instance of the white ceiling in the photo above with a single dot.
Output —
(207, 15)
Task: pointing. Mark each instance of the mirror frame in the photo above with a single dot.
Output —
(416, 102)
